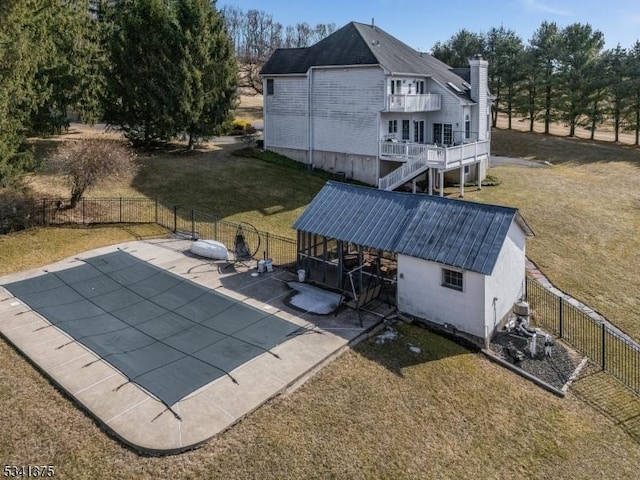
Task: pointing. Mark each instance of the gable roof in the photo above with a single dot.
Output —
(462, 234)
(360, 44)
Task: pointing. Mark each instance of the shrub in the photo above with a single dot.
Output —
(86, 163)
(241, 127)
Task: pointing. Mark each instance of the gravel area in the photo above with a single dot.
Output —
(554, 370)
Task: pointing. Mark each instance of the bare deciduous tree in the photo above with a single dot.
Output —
(86, 163)
(255, 36)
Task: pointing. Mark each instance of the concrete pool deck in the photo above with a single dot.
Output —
(139, 419)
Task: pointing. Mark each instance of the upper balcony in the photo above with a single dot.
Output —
(429, 102)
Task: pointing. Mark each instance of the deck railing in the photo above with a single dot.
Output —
(417, 157)
(429, 102)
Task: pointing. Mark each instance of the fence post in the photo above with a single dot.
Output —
(44, 211)
(82, 210)
(120, 210)
(156, 210)
(604, 333)
(561, 316)
(268, 254)
(193, 223)
(175, 218)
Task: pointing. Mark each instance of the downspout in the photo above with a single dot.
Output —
(378, 153)
(310, 115)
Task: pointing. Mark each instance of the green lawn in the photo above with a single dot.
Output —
(585, 211)
(378, 411)
(268, 196)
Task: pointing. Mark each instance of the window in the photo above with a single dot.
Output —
(393, 126)
(396, 87)
(443, 133)
(467, 127)
(418, 131)
(405, 129)
(452, 279)
(466, 169)
(447, 136)
(420, 87)
(269, 86)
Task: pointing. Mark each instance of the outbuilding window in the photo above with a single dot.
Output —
(269, 86)
(452, 279)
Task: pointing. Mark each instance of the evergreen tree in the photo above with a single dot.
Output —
(634, 89)
(580, 47)
(173, 70)
(144, 85)
(504, 50)
(462, 46)
(526, 99)
(544, 54)
(72, 77)
(208, 69)
(615, 78)
(23, 45)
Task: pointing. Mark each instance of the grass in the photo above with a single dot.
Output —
(378, 411)
(39, 246)
(584, 209)
(585, 212)
(603, 133)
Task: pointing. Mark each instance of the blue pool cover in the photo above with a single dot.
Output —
(167, 334)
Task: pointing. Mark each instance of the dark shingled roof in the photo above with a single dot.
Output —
(458, 233)
(360, 44)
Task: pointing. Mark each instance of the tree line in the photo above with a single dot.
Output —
(156, 69)
(163, 69)
(560, 74)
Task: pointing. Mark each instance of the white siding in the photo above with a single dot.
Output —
(506, 282)
(286, 116)
(421, 294)
(345, 106)
(479, 93)
(451, 111)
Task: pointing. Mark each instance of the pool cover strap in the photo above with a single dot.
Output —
(167, 334)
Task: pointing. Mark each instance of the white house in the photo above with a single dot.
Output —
(364, 103)
(454, 263)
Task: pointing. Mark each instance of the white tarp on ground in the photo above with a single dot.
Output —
(314, 299)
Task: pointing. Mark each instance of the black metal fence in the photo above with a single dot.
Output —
(604, 346)
(178, 219)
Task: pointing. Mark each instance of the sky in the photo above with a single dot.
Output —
(422, 23)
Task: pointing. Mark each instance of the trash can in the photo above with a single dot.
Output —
(301, 275)
(269, 265)
(261, 266)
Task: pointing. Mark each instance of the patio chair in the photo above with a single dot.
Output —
(241, 251)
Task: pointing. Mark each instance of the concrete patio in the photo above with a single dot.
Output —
(138, 418)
